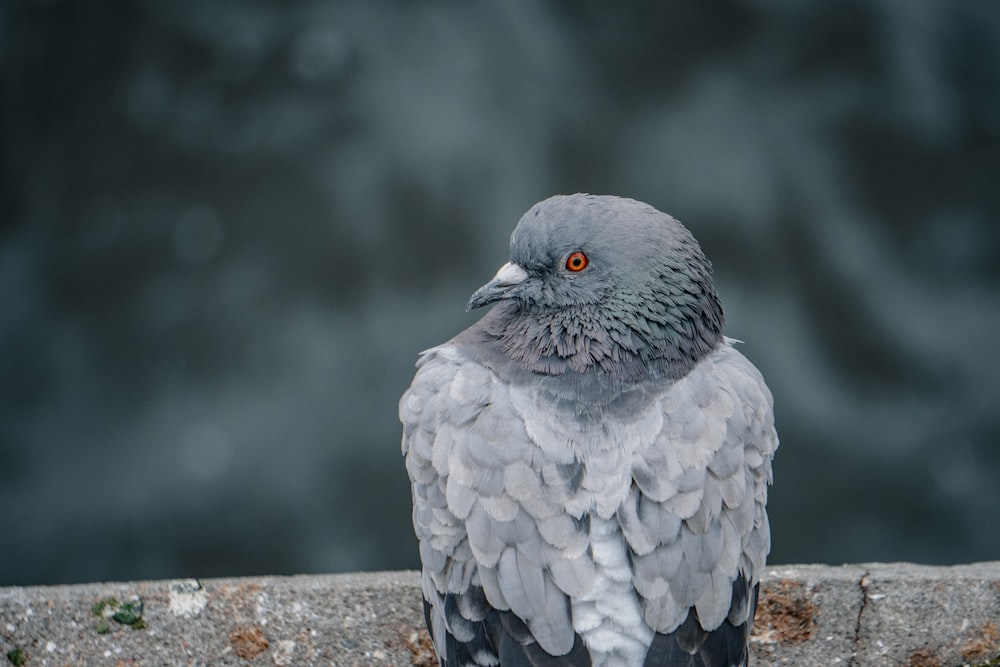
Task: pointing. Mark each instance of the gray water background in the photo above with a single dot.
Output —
(227, 229)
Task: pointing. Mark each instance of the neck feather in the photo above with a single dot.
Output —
(632, 342)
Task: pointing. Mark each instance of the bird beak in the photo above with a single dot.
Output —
(504, 282)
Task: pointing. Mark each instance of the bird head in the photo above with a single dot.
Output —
(605, 281)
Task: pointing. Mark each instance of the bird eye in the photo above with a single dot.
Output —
(576, 262)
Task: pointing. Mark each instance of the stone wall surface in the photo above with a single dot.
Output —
(867, 614)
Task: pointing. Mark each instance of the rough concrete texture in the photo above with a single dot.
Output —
(808, 615)
(880, 614)
(352, 619)
(930, 616)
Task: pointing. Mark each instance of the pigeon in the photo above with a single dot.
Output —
(589, 462)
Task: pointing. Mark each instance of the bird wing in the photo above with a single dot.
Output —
(501, 553)
(695, 519)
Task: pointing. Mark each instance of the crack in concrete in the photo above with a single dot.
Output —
(863, 584)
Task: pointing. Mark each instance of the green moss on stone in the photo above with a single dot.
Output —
(17, 657)
(123, 613)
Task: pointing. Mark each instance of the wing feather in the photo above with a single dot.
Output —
(494, 532)
(695, 520)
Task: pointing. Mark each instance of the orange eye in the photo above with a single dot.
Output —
(576, 262)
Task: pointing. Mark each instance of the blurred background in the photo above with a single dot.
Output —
(228, 228)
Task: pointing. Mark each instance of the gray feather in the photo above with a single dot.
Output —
(522, 583)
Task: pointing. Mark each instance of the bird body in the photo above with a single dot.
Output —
(590, 461)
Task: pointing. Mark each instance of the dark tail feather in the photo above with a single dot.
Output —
(692, 646)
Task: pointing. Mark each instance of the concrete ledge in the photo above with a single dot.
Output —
(877, 614)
